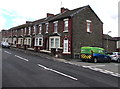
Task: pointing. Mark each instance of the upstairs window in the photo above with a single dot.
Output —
(40, 28)
(21, 32)
(89, 23)
(34, 29)
(47, 24)
(65, 25)
(25, 31)
(29, 29)
(55, 26)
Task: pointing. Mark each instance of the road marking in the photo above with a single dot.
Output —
(103, 71)
(21, 58)
(7, 52)
(97, 65)
(116, 64)
(58, 72)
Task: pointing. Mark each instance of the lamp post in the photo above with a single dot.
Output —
(107, 39)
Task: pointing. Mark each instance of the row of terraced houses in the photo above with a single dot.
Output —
(65, 32)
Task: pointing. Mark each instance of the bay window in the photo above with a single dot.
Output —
(54, 42)
(39, 41)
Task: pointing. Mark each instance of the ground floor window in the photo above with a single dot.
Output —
(39, 41)
(54, 42)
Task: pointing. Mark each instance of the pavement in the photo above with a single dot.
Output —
(45, 55)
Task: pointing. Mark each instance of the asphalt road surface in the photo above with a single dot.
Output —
(21, 69)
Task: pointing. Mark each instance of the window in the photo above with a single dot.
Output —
(47, 24)
(34, 29)
(89, 29)
(24, 41)
(39, 41)
(65, 25)
(29, 42)
(65, 46)
(40, 28)
(29, 30)
(21, 32)
(21, 42)
(54, 42)
(25, 31)
(55, 26)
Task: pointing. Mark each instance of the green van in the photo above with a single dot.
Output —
(94, 54)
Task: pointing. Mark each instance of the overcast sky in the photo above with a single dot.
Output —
(16, 12)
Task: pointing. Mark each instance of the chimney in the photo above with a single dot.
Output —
(28, 21)
(49, 14)
(64, 9)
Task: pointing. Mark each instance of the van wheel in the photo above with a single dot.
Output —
(95, 60)
(118, 60)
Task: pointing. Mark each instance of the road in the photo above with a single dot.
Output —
(26, 70)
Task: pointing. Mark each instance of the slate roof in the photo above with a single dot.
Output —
(71, 13)
(68, 13)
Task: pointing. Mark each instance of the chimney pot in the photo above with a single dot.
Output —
(49, 14)
(64, 9)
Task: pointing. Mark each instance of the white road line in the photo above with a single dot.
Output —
(103, 71)
(21, 58)
(7, 52)
(97, 65)
(58, 72)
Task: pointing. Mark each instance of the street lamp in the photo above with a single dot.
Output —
(107, 39)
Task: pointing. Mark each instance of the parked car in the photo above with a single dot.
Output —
(5, 45)
(94, 54)
(115, 56)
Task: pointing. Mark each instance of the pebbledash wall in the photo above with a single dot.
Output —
(65, 32)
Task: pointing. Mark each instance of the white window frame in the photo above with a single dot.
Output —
(22, 32)
(25, 31)
(47, 27)
(54, 42)
(40, 28)
(66, 41)
(88, 26)
(55, 26)
(66, 21)
(29, 29)
(27, 41)
(37, 39)
(34, 29)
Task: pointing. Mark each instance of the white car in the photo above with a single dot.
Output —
(5, 45)
(115, 56)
